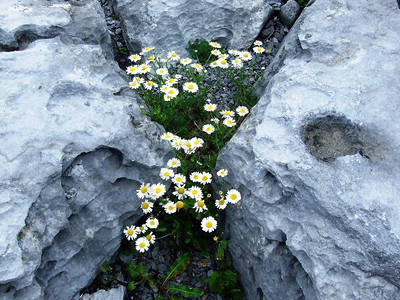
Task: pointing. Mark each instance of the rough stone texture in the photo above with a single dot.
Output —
(169, 25)
(323, 226)
(289, 13)
(75, 21)
(113, 294)
(74, 148)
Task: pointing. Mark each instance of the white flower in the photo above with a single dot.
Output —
(185, 61)
(133, 70)
(258, 49)
(178, 76)
(195, 177)
(242, 110)
(134, 84)
(237, 63)
(205, 178)
(197, 142)
(152, 223)
(173, 55)
(214, 45)
(164, 88)
(176, 143)
(191, 87)
(180, 192)
(142, 244)
(174, 163)
(221, 203)
(170, 207)
(216, 52)
(151, 238)
(147, 49)
(210, 107)
(130, 232)
(134, 57)
(144, 68)
(162, 71)
(166, 174)
(208, 128)
(234, 52)
(172, 92)
(215, 120)
(233, 196)
(214, 64)
(147, 207)
(200, 206)
(198, 67)
(151, 58)
(179, 179)
(195, 192)
(167, 98)
(141, 229)
(227, 113)
(143, 191)
(150, 84)
(224, 56)
(157, 190)
(222, 173)
(171, 81)
(208, 224)
(245, 55)
(229, 122)
(257, 43)
(167, 136)
(222, 63)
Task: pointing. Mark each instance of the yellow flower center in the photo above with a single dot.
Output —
(143, 189)
(227, 113)
(151, 58)
(145, 205)
(152, 223)
(221, 202)
(190, 86)
(150, 82)
(196, 177)
(245, 55)
(171, 207)
(141, 228)
(223, 62)
(171, 92)
(233, 197)
(166, 173)
(142, 245)
(181, 191)
(158, 190)
(194, 192)
(200, 203)
(179, 179)
(179, 204)
(196, 142)
(209, 224)
(147, 48)
(148, 237)
(204, 178)
(130, 232)
(173, 54)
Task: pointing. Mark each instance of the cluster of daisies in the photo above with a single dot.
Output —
(188, 146)
(185, 192)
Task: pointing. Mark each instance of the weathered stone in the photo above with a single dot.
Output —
(317, 161)
(170, 25)
(289, 13)
(74, 148)
(113, 294)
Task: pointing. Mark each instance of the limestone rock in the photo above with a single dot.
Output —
(113, 294)
(170, 25)
(289, 13)
(317, 161)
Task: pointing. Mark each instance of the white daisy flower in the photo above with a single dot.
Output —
(166, 174)
(172, 92)
(215, 120)
(258, 50)
(222, 173)
(233, 196)
(171, 81)
(134, 57)
(177, 143)
(223, 56)
(222, 63)
(245, 55)
(179, 179)
(152, 223)
(180, 192)
(210, 107)
(234, 52)
(197, 142)
(208, 224)
(162, 71)
(138, 79)
(142, 244)
(205, 178)
(200, 206)
(134, 84)
(191, 87)
(167, 136)
(164, 88)
(257, 43)
(151, 58)
(221, 203)
(237, 63)
(172, 55)
(242, 110)
(198, 67)
(214, 45)
(195, 177)
(130, 232)
(227, 113)
(141, 229)
(157, 190)
(132, 70)
(215, 52)
(147, 207)
(147, 49)
(174, 163)
(167, 98)
(214, 64)
(229, 122)
(195, 192)
(151, 238)
(178, 76)
(143, 191)
(150, 84)
(208, 128)
(170, 207)
(144, 68)
(185, 61)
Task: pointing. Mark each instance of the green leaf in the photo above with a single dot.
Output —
(159, 297)
(236, 294)
(222, 282)
(135, 271)
(161, 229)
(178, 267)
(131, 286)
(185, 291)
(221, 249)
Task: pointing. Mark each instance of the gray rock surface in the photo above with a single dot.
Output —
(289, 13)
(113, 294)
(169, 25)
(317, 161)
(74, 148)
